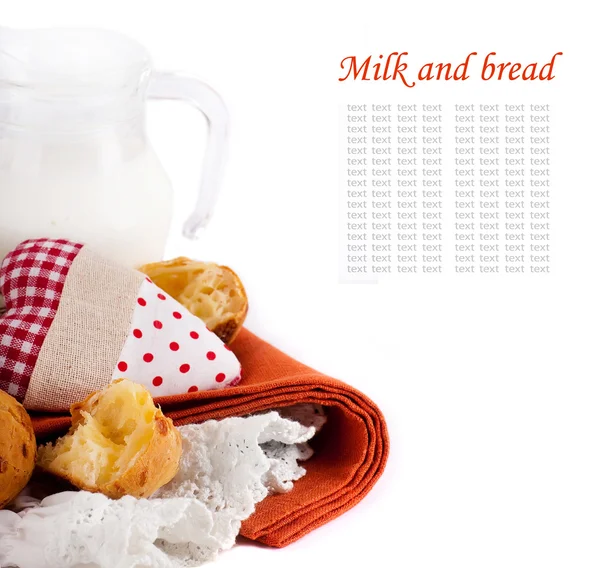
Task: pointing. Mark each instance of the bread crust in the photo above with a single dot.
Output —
(228, 329)
(17, 448)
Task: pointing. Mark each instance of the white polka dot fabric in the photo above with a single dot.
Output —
(170, 351)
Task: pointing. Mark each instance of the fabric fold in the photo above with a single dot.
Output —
(350, 452)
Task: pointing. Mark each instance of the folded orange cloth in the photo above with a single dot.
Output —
(350, 451)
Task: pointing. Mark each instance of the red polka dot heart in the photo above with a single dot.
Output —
(170, 351)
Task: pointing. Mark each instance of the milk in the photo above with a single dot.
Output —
(105, 189)
(75, 162)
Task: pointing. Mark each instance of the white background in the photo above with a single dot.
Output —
(489, 385)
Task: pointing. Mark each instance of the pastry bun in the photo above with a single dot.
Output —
(119, 444)
(211, 292)
(17, 448)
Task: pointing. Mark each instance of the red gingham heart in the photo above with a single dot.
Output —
(32, 277)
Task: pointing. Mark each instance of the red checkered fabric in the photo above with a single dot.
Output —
(32, 278)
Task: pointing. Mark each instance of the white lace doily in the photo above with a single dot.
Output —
(226, 468)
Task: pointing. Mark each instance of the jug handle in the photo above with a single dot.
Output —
(175, 87)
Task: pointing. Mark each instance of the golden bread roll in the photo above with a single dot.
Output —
(17, 448)
(119, 444)
(211, 292)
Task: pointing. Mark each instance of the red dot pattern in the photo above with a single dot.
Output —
(172, 353)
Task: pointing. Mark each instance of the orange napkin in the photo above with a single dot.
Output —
(350, 451)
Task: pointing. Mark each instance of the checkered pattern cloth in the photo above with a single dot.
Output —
(32, 277)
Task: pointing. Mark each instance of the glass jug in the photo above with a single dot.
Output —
(74, 158)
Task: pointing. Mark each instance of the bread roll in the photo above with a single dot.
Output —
(119, 444)
(211, 292)
(17, 448)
